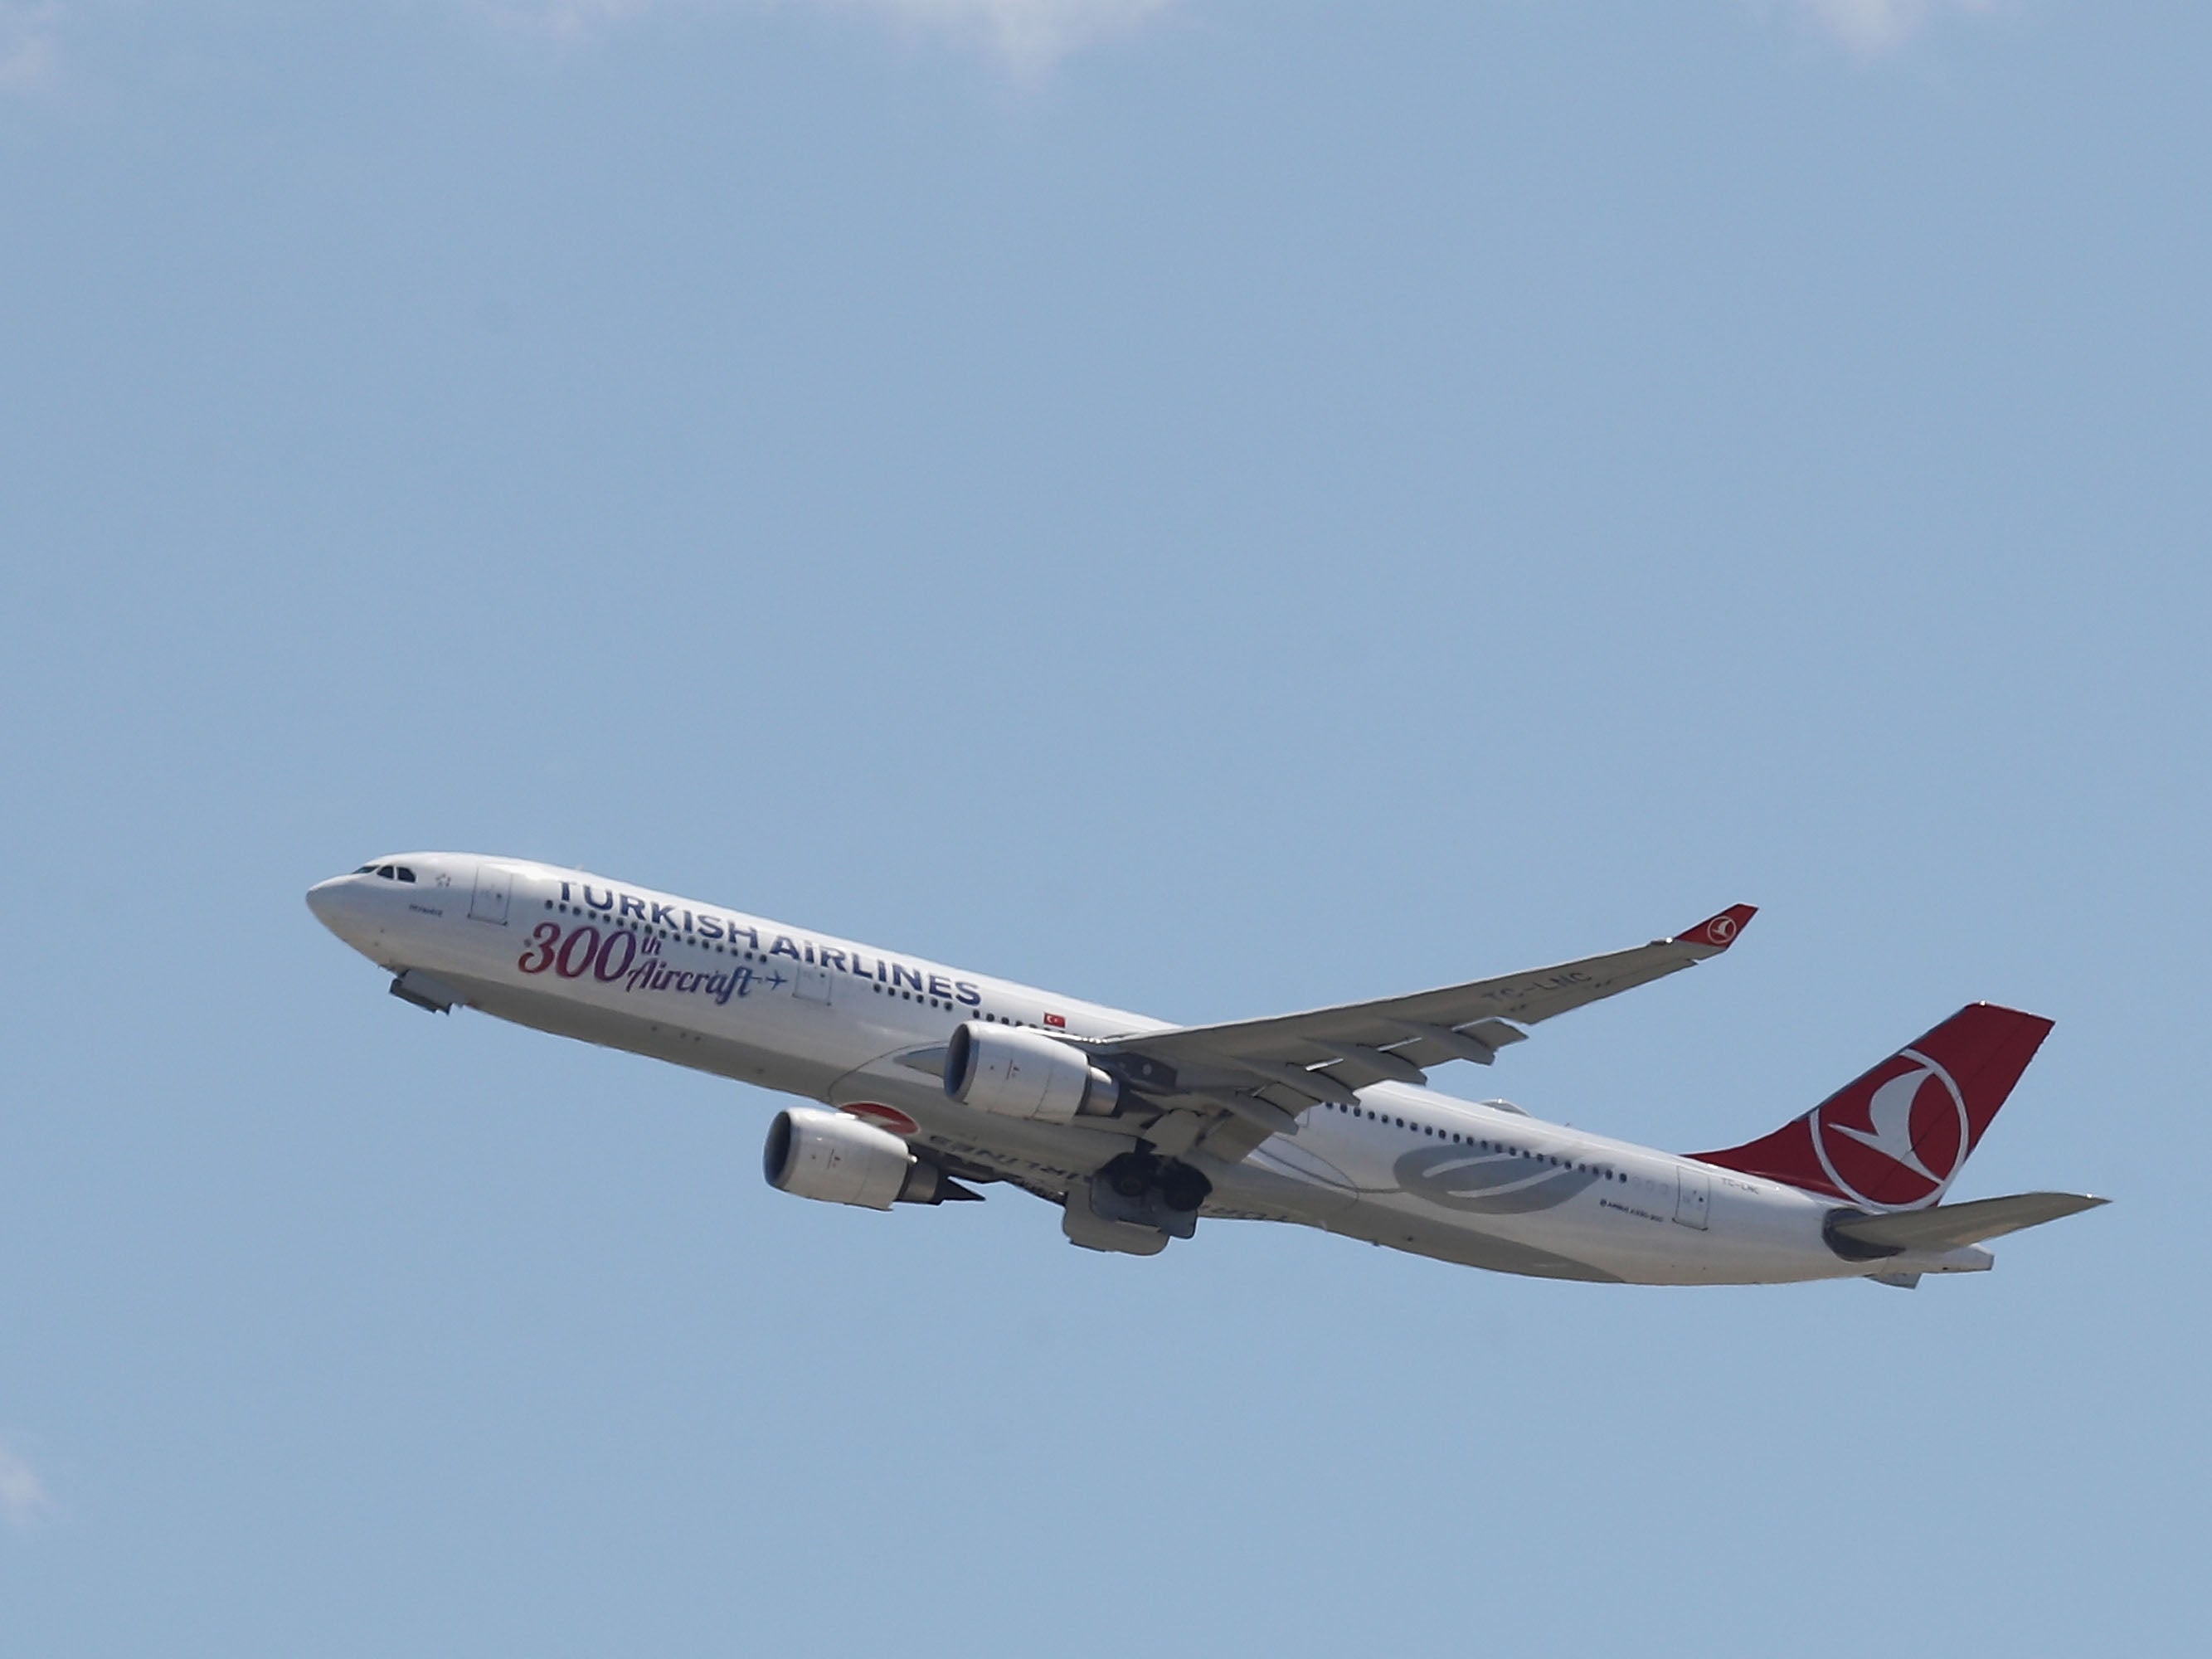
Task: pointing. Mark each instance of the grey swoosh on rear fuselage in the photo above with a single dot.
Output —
(1487, 1184)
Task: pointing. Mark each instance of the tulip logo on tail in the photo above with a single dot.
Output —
(1892, 1140)
(1895, 1138)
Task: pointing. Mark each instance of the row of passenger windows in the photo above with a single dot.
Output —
(389, 871)
(984, 1015)
(675, 938)
(668, 934)
(1418, 1127)
(884, 990)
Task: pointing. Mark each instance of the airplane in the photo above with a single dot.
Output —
(923, 1081)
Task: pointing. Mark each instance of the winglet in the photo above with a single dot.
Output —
(1719, 931)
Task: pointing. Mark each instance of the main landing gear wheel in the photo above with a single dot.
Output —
(1143, 1178)
(1183, 1187)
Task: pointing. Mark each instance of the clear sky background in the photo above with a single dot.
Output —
(1215, 507)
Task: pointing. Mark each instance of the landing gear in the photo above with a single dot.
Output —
(1129, 1174)
(1144, 1188)
(1183, 1187)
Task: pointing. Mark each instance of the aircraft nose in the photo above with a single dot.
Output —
(328, 900)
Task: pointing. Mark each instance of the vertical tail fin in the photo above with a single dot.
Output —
(1893, 1139)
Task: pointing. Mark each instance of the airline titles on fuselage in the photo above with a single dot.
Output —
(620, 942)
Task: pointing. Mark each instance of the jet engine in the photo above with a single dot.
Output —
(1018, 1072)
(841, 1160)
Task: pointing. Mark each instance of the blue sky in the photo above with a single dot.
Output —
(1218, 508)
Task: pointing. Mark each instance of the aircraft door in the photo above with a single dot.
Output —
(811, 983)
(1693, 1197)
(494, 883)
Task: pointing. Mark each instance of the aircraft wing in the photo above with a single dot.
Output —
(1261, 1073)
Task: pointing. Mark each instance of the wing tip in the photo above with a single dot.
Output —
(1719, 932)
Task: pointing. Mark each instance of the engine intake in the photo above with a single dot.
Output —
(841, 1160)
(1018, 1072)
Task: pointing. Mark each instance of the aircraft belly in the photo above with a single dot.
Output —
(1744, 1244)
(1279, 1181)
(638, 1031)
(1467, 1246)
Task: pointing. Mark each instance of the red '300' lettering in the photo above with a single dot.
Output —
(572, 961)
(604, 965)
(542, 938)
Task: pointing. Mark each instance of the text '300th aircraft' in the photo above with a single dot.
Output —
(929, 1077)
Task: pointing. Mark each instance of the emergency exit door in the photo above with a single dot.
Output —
(811, 983)
(494, 883)
(1694, 1196)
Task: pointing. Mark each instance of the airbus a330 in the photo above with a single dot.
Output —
(924, 1082)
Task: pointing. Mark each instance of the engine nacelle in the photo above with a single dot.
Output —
(841, 1160)
(1018, 1072)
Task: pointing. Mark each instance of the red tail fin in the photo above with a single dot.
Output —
(1892, 1140)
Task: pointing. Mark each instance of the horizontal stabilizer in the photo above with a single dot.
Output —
(1947, 1226)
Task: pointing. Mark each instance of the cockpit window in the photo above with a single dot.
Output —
(388, 872)
(366, 870)
(405, 874)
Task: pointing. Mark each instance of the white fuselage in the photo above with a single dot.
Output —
(827, 1020)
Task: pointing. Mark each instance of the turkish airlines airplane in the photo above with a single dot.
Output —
(932, 1080)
